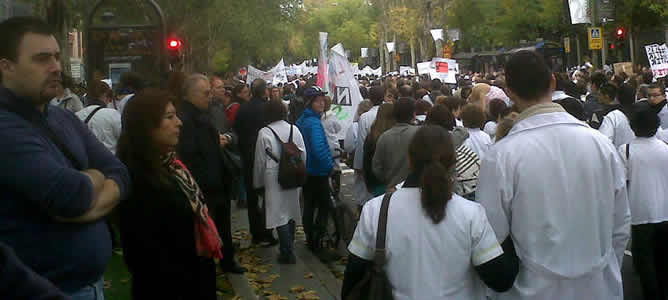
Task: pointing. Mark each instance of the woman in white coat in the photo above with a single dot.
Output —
(615, 124)
(282, 209)
(646, 160)
(439, 245)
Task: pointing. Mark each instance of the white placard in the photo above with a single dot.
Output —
(424, 68)
(390, 47)
(365, 52)
(579, 11)
(444, 69)
(658, 59)
(437, 34)
(453, 34)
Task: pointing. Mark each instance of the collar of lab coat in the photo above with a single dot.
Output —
(543, 114)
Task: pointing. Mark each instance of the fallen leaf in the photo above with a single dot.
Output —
(268, 293)
(308, 276)
(310, 295)
(297, 289)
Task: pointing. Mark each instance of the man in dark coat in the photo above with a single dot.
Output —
(199, 149)
(249, 121)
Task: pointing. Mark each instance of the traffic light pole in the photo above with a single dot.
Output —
(593, 8)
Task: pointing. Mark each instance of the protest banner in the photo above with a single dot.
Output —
(253, 73)
(658, 59)
(279, 73)
(323, 81)
(406, 70)
(344, 89)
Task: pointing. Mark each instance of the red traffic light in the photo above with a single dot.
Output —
(174, 44)
(612, 46)
(620, 32)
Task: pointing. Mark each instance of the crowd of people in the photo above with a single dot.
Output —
(520, 184)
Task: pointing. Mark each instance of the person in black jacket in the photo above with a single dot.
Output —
(249, 121)
(167, 254)
(200, 150)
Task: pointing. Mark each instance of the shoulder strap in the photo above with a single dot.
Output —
(45, 129)
(275, 134)
(379, 257)
(290, 138)
(90, 116)
(627, 151)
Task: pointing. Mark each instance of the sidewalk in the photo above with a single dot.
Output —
(309, 279)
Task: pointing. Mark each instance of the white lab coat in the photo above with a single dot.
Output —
(427, 260)
(617, 128)
(105, 125)
(663, 115)
(350, 141)
(478, 141)
(280, 205)
(364, 126)
(558, 188)
(662, 134)
(647, 169)
(490, 129)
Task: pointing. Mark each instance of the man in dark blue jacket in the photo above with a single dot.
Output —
(59, 181)
(319, 165)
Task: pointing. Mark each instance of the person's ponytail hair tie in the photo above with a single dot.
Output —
(432, 156)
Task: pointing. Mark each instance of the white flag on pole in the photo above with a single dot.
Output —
(344, 89)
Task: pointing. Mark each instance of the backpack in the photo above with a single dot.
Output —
(291, 167)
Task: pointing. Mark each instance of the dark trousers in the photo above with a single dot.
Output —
(316, 196)
(221, 213)
(650, 258)
(256, 219)
(286, 238)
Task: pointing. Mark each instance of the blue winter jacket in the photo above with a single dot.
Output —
(319, 161)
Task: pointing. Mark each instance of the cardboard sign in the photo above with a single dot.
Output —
(623, 67)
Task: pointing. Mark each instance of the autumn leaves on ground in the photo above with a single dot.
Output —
(259, 275)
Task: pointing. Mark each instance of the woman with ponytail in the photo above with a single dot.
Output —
(438, 244)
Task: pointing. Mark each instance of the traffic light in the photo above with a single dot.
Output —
(174, 50)
(620, 32)
(612, 46)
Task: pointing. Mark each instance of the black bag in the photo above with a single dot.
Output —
(291, 167)
(375, 285)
